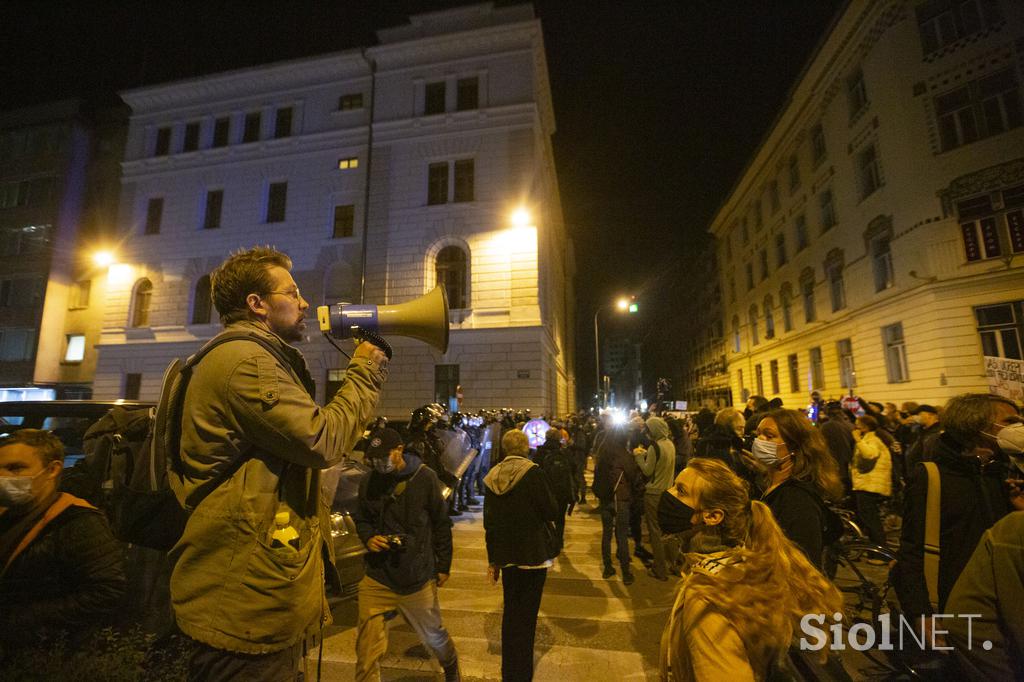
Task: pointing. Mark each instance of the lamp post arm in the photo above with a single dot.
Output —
(597, 359)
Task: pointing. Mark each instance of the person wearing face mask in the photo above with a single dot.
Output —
(871, 473)
(402, 518)
(60, 566)
(923, 449)
(746, 586)
(797, 476)
(979, 429)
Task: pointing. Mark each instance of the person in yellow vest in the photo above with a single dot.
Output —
(871, 475)
(60, 566)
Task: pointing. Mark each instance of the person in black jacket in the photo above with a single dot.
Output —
(615, 478)
(519, 515)
(973, 496)
(402, 519)
(60, 567)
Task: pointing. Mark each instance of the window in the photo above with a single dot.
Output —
(344, 221)
(451, 274)
(988, 232)
(752, 321)
(942, 22)
(191, 142)
(818, 150)
(221, 132)
(17, 344)
(764, 264)
(744, 393)
(780, 249)
(140, 303)
(828, 210)
(881, 261)
(154, 215)
(163, 142)
(214, 202)
(794, 373)
(769, 318)
(736, 339)
(794, 174)
(786, 302)
(759, 378)
(750, 276)
(464, 180)
(23, 292)
(251, 130)
(982, 108)
(817, 368)
(277, 200)
(350, 101)
(856, 93)
(834, 274)
(348, 163)
(132, 386)
(732, 289)
(895, 353)
(868, 172)
(773, 370)
(283, 122)
(437, 183)
(773, 196)
(744, 232)
(800, 227)
(446, 383)
(807, 293)
(80, 294)
(1001, 329)
(74, 350)
(467, 94)
(758, 216)
(202, 301)
(847, 375)
(434, 103)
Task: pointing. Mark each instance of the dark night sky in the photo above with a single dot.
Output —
(658, 109)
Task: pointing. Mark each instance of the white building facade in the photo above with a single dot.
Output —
(875, 242)
(450, 120)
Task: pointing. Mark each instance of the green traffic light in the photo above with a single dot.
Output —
(633, 307)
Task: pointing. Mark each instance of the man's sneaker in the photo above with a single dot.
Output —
(627, 578)
(609, 571)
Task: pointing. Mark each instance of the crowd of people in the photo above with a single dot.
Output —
(738, 508)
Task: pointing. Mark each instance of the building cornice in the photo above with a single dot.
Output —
(434, 50)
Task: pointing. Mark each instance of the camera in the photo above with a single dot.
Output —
(396, 542)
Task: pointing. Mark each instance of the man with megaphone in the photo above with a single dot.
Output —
(247, 584)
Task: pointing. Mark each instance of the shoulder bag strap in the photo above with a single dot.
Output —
(931, 532)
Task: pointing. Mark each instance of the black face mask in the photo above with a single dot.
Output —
(674, 516)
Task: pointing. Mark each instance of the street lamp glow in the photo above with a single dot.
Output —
(622, 304)
(521, 217)
(103, 258)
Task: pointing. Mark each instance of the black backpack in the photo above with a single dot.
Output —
(559, 471)
(130, 453)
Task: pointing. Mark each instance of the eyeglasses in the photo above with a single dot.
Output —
(292, 293)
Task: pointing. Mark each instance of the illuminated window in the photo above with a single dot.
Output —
(452, 271)
(202, 302)
(75, 351)
(988, 232)
(895, 353)
(348, 163)
(434, 101)
(141, 300)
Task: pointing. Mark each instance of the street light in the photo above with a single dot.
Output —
(623, 304)
(103, 259)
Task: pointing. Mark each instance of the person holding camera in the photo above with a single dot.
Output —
(402, 518)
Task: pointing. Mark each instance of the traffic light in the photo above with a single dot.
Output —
(633, 307)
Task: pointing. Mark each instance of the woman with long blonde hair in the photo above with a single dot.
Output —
(747, 587)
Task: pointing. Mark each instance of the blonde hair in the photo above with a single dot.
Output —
(514, 444)
(773, 585)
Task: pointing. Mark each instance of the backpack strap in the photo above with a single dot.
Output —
(931, 532)
(63, 501)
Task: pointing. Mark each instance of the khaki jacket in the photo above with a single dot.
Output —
(250, 420)
(879, 479)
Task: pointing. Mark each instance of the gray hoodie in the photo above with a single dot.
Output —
(658, 464)
(507, 474)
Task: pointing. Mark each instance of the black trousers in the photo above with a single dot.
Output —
(870, 515)
(209, 664)
(522, 589)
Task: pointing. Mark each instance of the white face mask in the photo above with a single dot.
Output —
(1011, 439)
(16, 491)
(766, 452)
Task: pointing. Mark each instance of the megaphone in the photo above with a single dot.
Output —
(424, 318)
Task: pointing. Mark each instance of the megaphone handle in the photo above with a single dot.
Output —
(377, 340)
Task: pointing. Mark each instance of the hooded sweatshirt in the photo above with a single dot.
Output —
(518, 508)
(659, 461)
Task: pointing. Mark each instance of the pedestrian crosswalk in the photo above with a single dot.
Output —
(588, 629)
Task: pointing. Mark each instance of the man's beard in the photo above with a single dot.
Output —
(294, 332)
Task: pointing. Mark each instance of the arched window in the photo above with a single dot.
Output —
(140, 303)
(752, 317)
(450, 265)
(202, 303)
(736, 341)
(769, 318)
(786, 300)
